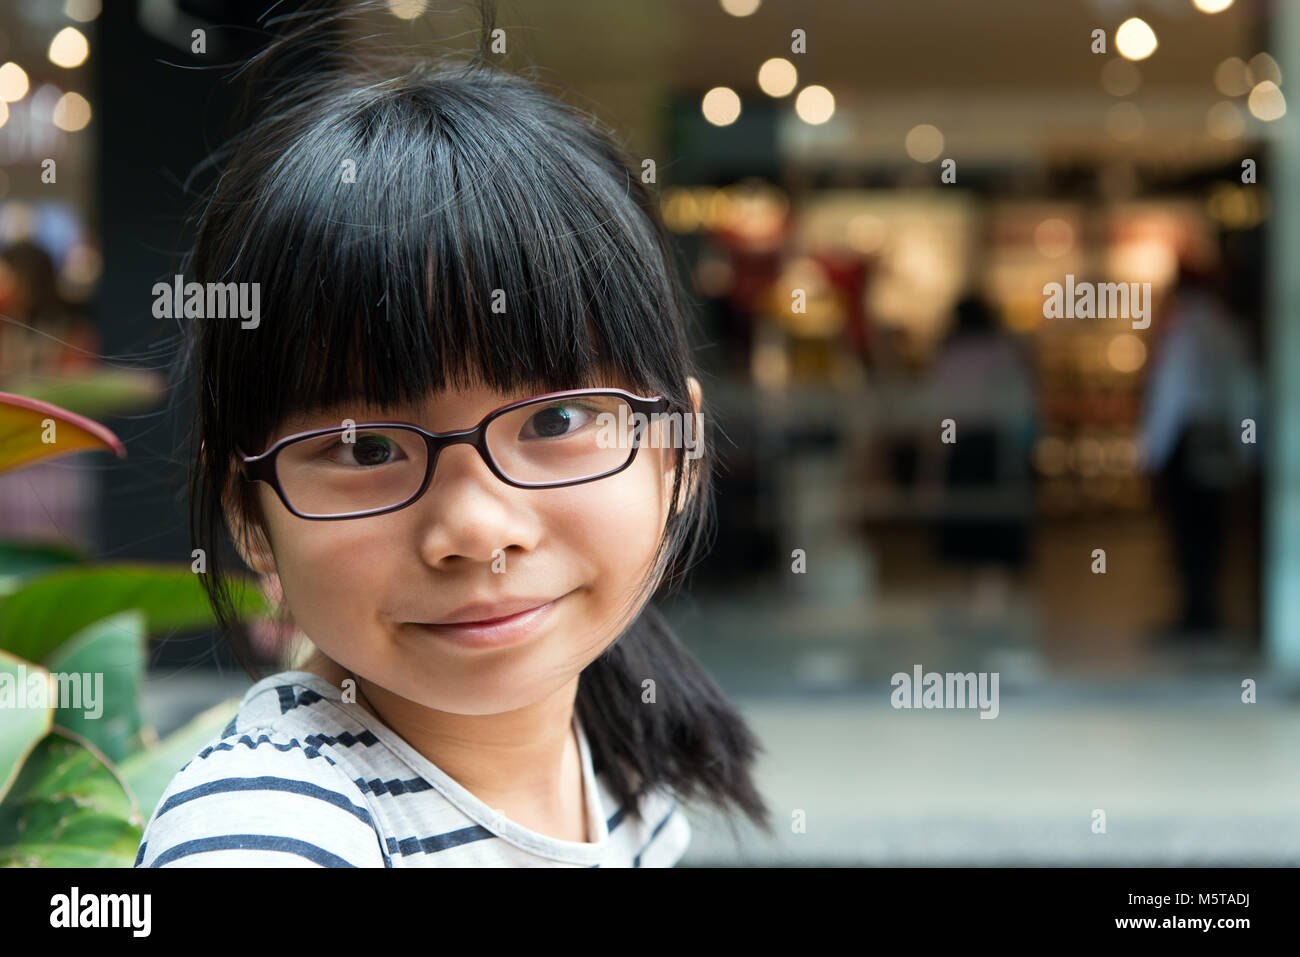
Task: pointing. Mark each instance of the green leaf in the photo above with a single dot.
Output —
(148, 772)
(98, 393)
(48, 610)
(22, 727)
(104, 664)
(26, 558)
(68, 809)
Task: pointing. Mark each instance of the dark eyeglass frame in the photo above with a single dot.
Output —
(261, 468)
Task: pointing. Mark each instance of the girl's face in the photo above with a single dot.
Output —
(357, 587)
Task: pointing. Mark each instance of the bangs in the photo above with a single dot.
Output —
(422, 235)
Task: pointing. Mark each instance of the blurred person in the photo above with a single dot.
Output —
(982, 380)
(43, 333)
(1202, 385)
(34, 293)
(29, 300)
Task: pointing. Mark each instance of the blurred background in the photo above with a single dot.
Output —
(869, 200)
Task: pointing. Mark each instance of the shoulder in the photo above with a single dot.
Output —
(654, 832)
(266, 792)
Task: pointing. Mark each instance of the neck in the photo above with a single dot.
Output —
(523, 763)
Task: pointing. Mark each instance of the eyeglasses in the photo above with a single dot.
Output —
(370, 468)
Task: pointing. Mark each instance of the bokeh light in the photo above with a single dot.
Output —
(72, 112)
(83, 11)
(13, 82)
(1126, 352)
(406, 9)
(1264, 67)
(1121, 78)
(69, 48)
(1053, 238)
(1224, 121)
(924, 143)
(721, 106)
(815, 105)
(1266, 102)
(1231, 77)
(1135, 40)
(777, 77)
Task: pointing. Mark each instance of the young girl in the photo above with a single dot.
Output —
(488, 683)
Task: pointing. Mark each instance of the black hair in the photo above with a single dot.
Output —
(467, 178)
(973, 316)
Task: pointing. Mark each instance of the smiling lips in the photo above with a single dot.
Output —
(493, 625)
(481, 613)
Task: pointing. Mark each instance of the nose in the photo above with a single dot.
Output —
(469, 513)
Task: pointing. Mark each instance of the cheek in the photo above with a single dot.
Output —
(611, 532)
(327, 570)
(616, 521)
(606, 533)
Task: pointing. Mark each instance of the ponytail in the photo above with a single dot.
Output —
(679, 732)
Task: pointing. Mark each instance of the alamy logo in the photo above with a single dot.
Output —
(70, 690)
(947, 690)
(214, 300)
(1092, 300)
(678, 430)
(102, 910)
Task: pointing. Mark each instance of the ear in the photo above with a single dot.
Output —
(695, 436)
(250, 538)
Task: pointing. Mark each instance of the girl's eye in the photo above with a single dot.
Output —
(367, 451)
(555, 421)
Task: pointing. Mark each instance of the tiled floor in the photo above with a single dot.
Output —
(1158, 740)
(1187, 775)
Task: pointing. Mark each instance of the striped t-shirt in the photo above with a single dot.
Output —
(300, 778)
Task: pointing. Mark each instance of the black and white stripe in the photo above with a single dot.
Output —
(301, 779)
